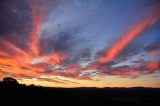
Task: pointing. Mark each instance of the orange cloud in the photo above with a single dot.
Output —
(38, 12)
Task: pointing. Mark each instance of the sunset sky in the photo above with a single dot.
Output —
(81, 43)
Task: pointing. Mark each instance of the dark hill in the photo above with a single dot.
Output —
(13, 93)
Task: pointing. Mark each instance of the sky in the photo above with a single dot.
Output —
(81, 43)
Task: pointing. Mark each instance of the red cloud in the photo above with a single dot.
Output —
(38, 12)
(153, 65)
(119, 46)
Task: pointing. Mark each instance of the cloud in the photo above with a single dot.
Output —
(62, 41)
(13, 20)
(88, 74)
(153, 65)
(139, 70)
(51, 80)
(120, 45)
(57, 79)
(58, 38)
(153, 48)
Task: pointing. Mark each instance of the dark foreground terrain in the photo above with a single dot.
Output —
(13, 93)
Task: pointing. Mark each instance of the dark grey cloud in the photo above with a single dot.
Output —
(152, 46)
(15, 17)
(63, 41)
(55, 81)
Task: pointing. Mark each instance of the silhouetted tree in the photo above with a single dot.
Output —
(32, 85)
(10, 81)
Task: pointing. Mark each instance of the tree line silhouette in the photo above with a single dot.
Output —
(12, 82)
(13, 93)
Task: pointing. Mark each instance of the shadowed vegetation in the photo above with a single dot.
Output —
(14, 93)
